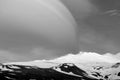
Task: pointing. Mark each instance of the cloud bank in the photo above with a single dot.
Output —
(33, 54)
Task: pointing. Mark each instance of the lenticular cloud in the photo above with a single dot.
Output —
(84, 57)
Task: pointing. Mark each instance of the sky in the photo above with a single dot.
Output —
(98, 24)
(92, 26)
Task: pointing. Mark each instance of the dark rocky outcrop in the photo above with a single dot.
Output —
(23, 72)
(116, 65)
(119, 74)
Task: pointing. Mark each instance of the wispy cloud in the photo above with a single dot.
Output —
(113, 12)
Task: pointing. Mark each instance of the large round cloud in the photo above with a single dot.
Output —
(47, 21)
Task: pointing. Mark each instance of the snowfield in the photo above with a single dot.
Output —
(84, 66)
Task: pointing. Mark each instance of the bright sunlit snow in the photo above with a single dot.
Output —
(86, 57)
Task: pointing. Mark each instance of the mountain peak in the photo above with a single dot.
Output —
(85, 57)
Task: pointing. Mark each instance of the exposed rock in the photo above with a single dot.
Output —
(21, 72)
(116, 65)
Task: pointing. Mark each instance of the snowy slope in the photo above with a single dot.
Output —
(83, 66)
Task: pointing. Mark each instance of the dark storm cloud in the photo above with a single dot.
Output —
(80, 8)
(33, 54)
(97, 31)
(106, 4)
(106, 22)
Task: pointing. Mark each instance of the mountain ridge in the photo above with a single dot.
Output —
(23, 72)
(68, 67)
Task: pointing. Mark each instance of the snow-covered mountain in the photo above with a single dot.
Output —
(82, 66)
(84, 57)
